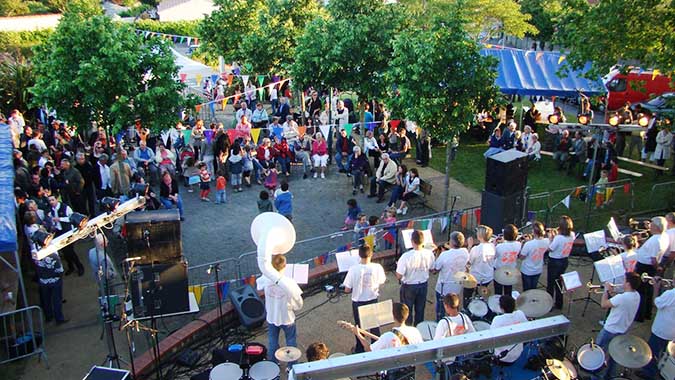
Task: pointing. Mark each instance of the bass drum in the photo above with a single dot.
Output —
(591, 357)
(477, 309)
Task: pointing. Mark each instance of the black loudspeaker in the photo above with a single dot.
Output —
(506, 172)
(249, 306)
(160, 230)
(498, 210)
(159, 289)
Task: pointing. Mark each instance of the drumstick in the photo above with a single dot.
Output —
(348, 326)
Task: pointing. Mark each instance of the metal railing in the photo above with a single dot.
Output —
(22, 334)
(662, 196)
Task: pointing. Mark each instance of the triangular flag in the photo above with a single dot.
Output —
(222, 288)
(119, 137)
(278, 132)
(198, 107)
(464, 220)
(212, 107)
(348, 128)
(188, 40)
(626, 188)
(319, 260)
(655, 73)
(244, 79)
(371, 126)
(577, 191)
(165, 137)
(444, 223)
(422, 224)
(394, 124)
(248, 66)
(369, 240)
(186, 135)
(599, 199)
(539, 55)
(531, 216)
(609, 192)
(232, 134)
(566, 201)
(255, 134)
(488, 46)
(229, 79)
(389, 237)
(261, 79)
(183, 77)
(562, 58)
(198, 77)
(261, 93)
(477, 213)
(224, 101)
(302, 130)
(214, 78)
(209, 135)
(325, 130)
(197, 291)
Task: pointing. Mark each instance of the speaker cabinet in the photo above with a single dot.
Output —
(498, 211)
(249, 306)
(154, 236)
(506, 172)
(159, 289)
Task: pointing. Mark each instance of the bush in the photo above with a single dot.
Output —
(23, 42)
(10, 8)
(135, 11)
(126, 3)
(181, 28)
(37, 8)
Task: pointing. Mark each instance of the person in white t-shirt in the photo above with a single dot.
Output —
(454, 323)
(411, 190)
(506, 255)
(511, 316)
(533, 257)
(629, 256)
(562, 242)
(622, 310)
(446, 265)
(481, 259)
(669, 256)
(363, 281)
(412, 270)
(663, 329)
(280, 307)
(648, 258)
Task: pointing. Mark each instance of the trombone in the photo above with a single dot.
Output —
(663, 282)
(599, 289)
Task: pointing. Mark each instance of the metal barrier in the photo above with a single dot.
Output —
(22, 334)
(662, 196)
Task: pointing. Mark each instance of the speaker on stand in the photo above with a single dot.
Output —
(250, 308)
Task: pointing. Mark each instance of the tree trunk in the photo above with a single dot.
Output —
(446, 183)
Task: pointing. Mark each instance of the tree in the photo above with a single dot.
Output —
(16, 78)
(441, 80)
(610, 32)
(544, 16)
(92, 69)
(10, 8)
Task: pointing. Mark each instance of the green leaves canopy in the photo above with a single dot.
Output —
(92, 69)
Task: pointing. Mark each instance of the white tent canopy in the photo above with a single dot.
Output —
(190, 67)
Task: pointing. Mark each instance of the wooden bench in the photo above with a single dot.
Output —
(421, 199)
(621, 170)
(645, 164)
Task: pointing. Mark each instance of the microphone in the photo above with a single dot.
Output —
(130, 259)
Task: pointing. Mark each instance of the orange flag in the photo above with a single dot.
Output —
(229, 79)
(464, 220)
(302, 130)
(198, 107)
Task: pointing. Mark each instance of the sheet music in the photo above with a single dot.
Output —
(376, 314)
(298, 272)
(571, 280)
(595, 241)
(610, 268)
(346, 260)
(613, 229)
(407, 236)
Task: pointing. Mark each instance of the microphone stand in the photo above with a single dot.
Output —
(215, 268)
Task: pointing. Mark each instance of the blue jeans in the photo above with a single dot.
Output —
(657, 345)
(602, 340)
(168, 203)
(275, 105)
(285, 164)
(273, 337)
(440, 310)
(257, 169)
(556, 268)
(395, 195)
(415, 297)
(51, 297)
(357, 321)
(530, 282)
(221, 196)
(338, 160)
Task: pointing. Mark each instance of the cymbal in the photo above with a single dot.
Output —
(534, 303)
(630, 351)
(287, 354)
(466, 279)
(558, 369)
(507, 276)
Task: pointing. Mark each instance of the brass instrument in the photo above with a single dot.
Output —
(525, 238)
(663, 282)
(599, 289)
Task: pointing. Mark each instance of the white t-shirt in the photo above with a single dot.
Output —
(507, 254)
(671, 240)
(414, 266)
(629, 259)
(273, 93)
(414, 184)
(482, 259)
(449, 263)
(621, 315)
(561, 246)
(390, 340)
(663, 325)
(533, 252)
(654, 247)
(507, 320)
(448, 325)
(364, 280)
(278, 305)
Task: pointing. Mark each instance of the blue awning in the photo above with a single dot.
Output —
(7, 204)
(529, 72)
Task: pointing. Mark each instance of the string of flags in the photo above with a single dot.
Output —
(175, 38)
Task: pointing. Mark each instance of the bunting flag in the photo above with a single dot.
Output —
(325, 130)
(230, 77)
(261, 93)
(244, 79)
(409, 224)
(248, 66)
(655, 73)
(214, 78)
(165, 137)
(531, 216)
(199, 77)
(626, 188)
(566, 201)
(186, 135)
(183, 77)
(224, 103)
(251, 281)
(369, 241)
(222, 289)
(389, 237)
(197, 291)
(302, 130)
(198, 107)
(465, 220)
(209, 135)
(394, 124)
(278, 132)
(255, 134)
(591, 192)
(444, 223)
(577, 191)
(275, 78)
(236, 98)
(599, 199)
(321, 259)
(227, 68)
(477, 213)
(539, 55)
(348, 128)
(562, 58)
(609, 192)
(233, 134)
(261, 79)
(371, 126)
(456, 217)
(119, 137)
(236, 71)
(422, 224)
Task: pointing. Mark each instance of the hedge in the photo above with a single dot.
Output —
(23, 41)
(181, 28)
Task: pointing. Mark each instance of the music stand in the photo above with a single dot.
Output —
(568, 283)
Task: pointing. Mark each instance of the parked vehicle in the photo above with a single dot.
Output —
(634, 87)
(660, 105)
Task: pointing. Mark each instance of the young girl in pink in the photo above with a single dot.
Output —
(204, 185)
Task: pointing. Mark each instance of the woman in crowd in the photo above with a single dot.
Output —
(411, 190)
(562, 242)
(265, 154)
(283, 155)
(166, 159)
(506, 255)
(197, 137)
(399, 186)
(359, 166)
(481, 259)
(319, 155)
(532, 255)
(244, 125)
(495, 143)
(663, 141)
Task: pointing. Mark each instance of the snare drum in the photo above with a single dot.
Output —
(481, 325)
(591, 358)
(226, 371)
(493, 303)
(427, 329)
(477, 308)
(264, 370)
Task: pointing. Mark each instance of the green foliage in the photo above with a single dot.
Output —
(618, 31)
(16, 78)
(152, 3)
(135, 11)
(181, 28)
(92, 69)
(350, 50)
(10, 8)
(21, 43)
(36, 8)
(83, 8)
(544, 16)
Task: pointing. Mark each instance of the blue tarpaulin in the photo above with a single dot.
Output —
(7, 205)
(535, 73)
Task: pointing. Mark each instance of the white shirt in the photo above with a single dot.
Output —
(96, 258)
(414, 184)
(561, 246)
(104, 170)
(534, 149)
(663, 325)
(38, 144)
(533, 252)
(369, 144)
(54, 213)
(364, 280)
(629, 259)
(390, 340)
(671, 239)
(509, 319)
(621, 315)
(278, 305)
(506, 254)
(241, 113)
(448, 325)
(482, 259)
(450, 262)
(414, 266)
(273, 93)
(654, 247)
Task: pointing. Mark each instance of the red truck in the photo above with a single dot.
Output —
(634, 86)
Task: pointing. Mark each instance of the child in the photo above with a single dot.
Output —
(221, 184)
(264, 203)
(271, 179)
(629, 256)
(360, 227)
(189, 170)
(283, 201)
(353, 211)
(236, 168)
(389, 218)
(248, 165)
(204, 184)
(600, 189)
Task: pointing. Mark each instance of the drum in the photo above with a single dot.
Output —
(264, 370)
(481, 325)
(226, 371)
(427, 329)
(591, 358)
(477, 308)
(571, 368)
(493, 303)
(336, 355)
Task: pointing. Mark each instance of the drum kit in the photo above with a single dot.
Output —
(427, 329)
(260, 370)
(507, 276)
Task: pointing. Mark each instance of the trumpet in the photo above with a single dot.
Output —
(599, 289)
(525, 238)
(663, 282)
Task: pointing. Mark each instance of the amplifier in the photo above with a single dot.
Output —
(159, 289)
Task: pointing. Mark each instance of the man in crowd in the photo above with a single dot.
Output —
(412, 270)
(579, 149)
(243, 111)
(72, 184)
(60, 214)
(102, 178)
(50, 284)
(88, 190)
(384, 177)
(102, 267)
(120, 175)
(562, 150)
(648, 258)
(259, 117)
(344, 148)
(509, 354)
(145, 162)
